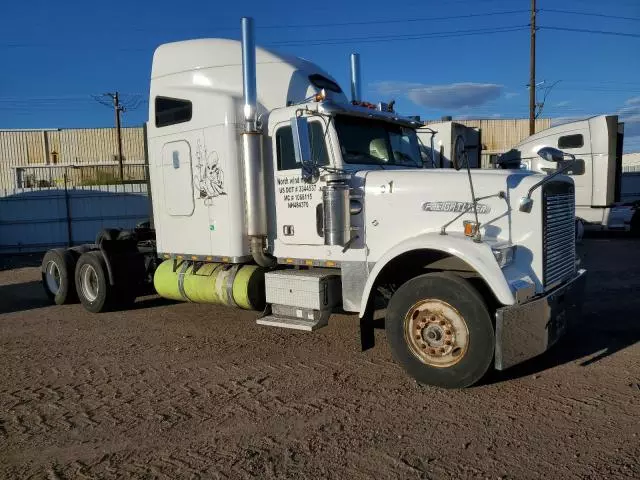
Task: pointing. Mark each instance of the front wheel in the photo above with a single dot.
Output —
(440, 331)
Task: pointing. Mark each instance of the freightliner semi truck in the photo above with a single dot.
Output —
(273, 192)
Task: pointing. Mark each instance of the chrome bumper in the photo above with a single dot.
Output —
(526, 330)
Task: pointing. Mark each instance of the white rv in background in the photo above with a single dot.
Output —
(444, 143)
(596, 143)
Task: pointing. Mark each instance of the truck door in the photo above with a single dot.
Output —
(298, 204)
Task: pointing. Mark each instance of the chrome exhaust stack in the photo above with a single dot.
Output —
(356, 80)
(249, 75)
(253, 160)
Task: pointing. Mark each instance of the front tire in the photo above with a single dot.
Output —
(440, 331)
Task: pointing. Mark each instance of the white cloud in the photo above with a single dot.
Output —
(510, 95)
(633, 101)
(563, 103)
(452, 96)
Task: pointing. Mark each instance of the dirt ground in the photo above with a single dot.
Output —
(191, 391)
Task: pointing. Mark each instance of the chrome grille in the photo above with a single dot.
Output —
(558, 233)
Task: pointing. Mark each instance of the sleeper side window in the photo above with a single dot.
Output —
(571, 141)
(171, 111)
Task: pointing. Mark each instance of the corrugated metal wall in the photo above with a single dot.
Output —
(25, 147)
(96, 145)
(70, 146)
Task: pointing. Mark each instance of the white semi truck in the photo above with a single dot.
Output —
(596, 145)
(271, 191)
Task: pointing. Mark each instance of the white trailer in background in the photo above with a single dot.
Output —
(596, 143)
(271, 191)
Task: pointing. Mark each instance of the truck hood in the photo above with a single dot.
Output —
(444, 190)
(401, 204)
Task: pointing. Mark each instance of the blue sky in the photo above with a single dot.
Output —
(55, 55)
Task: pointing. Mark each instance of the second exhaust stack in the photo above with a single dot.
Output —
(356, 94)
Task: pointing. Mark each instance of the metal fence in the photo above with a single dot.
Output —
(72, 176)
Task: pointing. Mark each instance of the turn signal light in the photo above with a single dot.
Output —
(470, 228)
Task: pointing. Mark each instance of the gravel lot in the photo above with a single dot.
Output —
(191, 391)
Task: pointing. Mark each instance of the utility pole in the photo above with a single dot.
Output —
(532, 72)
(130, 102)
(118, 108)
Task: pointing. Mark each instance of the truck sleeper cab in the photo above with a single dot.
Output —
(272, 192)
(596, 143)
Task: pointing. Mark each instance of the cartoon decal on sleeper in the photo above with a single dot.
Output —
(209, 177)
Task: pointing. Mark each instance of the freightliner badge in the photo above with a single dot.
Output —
(454, 207)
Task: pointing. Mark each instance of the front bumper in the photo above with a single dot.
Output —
(526, 330)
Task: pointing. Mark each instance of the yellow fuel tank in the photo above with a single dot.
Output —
(217, 283)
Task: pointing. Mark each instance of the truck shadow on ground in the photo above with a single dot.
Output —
(11, 261)
(18, 297)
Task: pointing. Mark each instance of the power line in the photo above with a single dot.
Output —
(400, 20)
(588, 14)
(386, 38)
(586, 30)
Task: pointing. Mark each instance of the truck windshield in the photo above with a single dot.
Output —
(374, 142)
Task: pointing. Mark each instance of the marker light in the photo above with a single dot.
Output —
(320, 96)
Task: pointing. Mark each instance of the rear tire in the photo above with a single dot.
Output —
(57, 270)
(440, 331)
(92, 283)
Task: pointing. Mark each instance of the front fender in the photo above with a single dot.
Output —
(477, 255)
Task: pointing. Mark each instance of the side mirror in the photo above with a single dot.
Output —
(302, 149)
(551, 154)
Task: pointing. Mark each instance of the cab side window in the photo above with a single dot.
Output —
(284, 147)
(571, 141)
(171, 111)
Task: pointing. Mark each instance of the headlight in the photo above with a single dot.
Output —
(504, 254)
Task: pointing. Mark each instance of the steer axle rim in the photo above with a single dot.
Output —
(436, 333)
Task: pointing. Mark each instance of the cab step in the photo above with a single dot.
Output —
(292, 323)
(286, 316)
